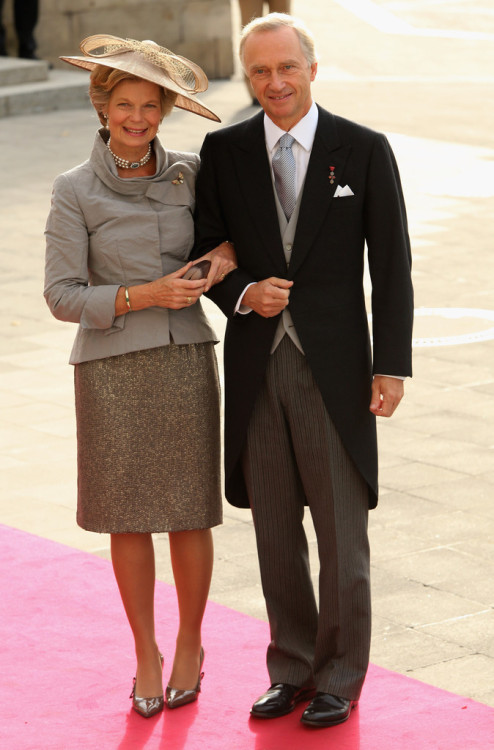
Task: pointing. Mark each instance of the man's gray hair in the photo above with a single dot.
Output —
(274, 21)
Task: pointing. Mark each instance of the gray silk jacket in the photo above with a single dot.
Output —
(103, 232)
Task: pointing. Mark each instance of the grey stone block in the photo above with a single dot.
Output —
(14, 71)
(61, 91)
(171, 23)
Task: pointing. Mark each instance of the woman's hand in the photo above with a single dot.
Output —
(174, 292)
(171, 291)
(223, 260)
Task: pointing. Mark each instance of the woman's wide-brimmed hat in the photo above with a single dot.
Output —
(151, 62)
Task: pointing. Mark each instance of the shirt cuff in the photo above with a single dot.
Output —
(239, 307)
(398, 377)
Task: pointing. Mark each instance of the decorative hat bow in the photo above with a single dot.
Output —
(184, 73)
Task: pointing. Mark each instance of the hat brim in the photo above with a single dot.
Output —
(135, 65)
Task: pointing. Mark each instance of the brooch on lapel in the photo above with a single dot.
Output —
(179, 180)
(331, 174)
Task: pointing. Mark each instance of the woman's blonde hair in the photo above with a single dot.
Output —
(104, 79)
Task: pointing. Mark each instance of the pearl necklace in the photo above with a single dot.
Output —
(125, 163)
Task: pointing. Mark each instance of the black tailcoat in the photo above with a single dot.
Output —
(235, 201)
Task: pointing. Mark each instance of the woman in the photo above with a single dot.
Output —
(147, 400)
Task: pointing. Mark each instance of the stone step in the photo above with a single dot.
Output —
(14, 71)
(61, 90)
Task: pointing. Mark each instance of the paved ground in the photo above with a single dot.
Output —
(421, 72)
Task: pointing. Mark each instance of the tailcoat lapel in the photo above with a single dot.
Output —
(327, 151)
(254, 177)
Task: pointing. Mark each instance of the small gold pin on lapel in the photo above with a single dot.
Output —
(179, 180)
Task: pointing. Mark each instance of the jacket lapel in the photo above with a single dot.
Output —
(254, 177)
(327, 152)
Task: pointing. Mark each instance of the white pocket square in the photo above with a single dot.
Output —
(342, 192)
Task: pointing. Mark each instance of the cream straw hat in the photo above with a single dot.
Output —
(151, 62)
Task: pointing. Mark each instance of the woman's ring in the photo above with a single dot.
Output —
(189, 300)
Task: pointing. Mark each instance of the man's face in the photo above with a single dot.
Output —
(280, 75)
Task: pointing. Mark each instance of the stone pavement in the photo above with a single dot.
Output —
(423, 73)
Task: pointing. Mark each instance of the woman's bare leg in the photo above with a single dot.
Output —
(192, 563)
(134, 567)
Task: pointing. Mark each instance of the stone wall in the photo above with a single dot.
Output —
(198, 29)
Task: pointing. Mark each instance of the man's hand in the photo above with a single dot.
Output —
(268, 297)
(386, 395)
(223, 261)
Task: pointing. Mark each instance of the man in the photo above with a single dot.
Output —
(300, 394)
(25, 20)
(250, 9)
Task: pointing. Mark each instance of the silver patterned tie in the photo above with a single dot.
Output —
(284, 174)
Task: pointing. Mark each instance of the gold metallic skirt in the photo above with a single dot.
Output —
(148, 441)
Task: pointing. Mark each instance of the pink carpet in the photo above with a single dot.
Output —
(67, 669)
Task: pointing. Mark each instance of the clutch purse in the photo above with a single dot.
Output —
(198, 271)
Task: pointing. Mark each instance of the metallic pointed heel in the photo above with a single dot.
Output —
(176, 698)
(147, 707)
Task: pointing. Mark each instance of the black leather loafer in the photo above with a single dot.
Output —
(326, 710)
(279, 700)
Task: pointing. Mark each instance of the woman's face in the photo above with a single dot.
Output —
(134, 115)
